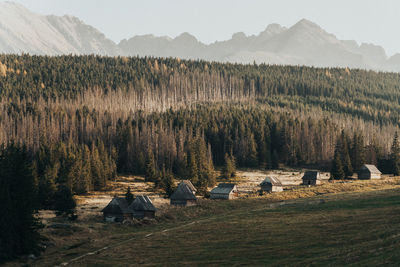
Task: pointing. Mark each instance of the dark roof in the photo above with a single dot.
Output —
(189, 184)
(117, 205)
(142, 203)
(311, 175)
(183, 192)
(224, 188)
(370, 169)
(272, 181)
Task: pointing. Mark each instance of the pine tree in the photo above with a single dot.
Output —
(151, 171)
(167, 183)
(97, 169)
(64, 202)
(357, 152)
(18, 235)
(337, 171)
(345, 155)
(229, 169)
(84, 184)
(275, 160)
(395, 155)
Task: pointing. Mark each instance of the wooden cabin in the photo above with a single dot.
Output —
(311, 178)
(271, 184)
(117, 210)
(368, 172)
(142, 207)
(224, 191)
(184, 195)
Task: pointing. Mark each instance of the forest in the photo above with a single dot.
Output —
(78, 121)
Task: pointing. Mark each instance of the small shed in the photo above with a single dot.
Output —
(368, 172)
(184, 195)
(142, 207)
(271, 184)
(117, 210)
(311, 178)
(224, 191)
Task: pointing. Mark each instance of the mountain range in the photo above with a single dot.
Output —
(305, 43)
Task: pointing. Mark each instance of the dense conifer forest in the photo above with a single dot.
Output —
(80, 120)
(86, 118)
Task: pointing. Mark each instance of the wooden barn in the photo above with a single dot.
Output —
(117, 210)
(368, 172)
(271, 184)
(184, 195)
(142, 207)
(311, 178)
(224, 191)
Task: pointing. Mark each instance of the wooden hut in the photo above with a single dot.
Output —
(142, 207)
(117, 210)
(271, 184)
(311, 178)
(368, 172)
(184, 195)
(224, 191)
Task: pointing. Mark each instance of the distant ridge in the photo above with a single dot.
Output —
(305, 43)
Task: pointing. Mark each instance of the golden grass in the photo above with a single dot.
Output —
(237, 224)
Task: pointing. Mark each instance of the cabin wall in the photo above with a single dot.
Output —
(368, 176)
(277, 189)
(149, 214)
(232, 195)
(311, 182)
(271, 188)
(219, 196)
(138, 214)
(179, 202)
(266, 188)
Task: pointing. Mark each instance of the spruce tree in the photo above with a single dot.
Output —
(229, 169)
(167, 183)
(395, 155)
(357, 152)
(64, 202)
(18, 235)
(345, 155)
(151, 171)
(275, 160)
(337, 171)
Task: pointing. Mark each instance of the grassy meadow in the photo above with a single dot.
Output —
(354, 224)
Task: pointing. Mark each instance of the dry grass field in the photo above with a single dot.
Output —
(338, 223)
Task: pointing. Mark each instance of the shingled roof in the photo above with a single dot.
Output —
(183, 192)
(370, 168)
(142, 203)
(272, 181)
(117, 205)
(223, 188)
(189, 184)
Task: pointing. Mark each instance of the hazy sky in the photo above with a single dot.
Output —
(372, 21)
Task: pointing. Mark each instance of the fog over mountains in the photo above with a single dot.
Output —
(305, 43)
